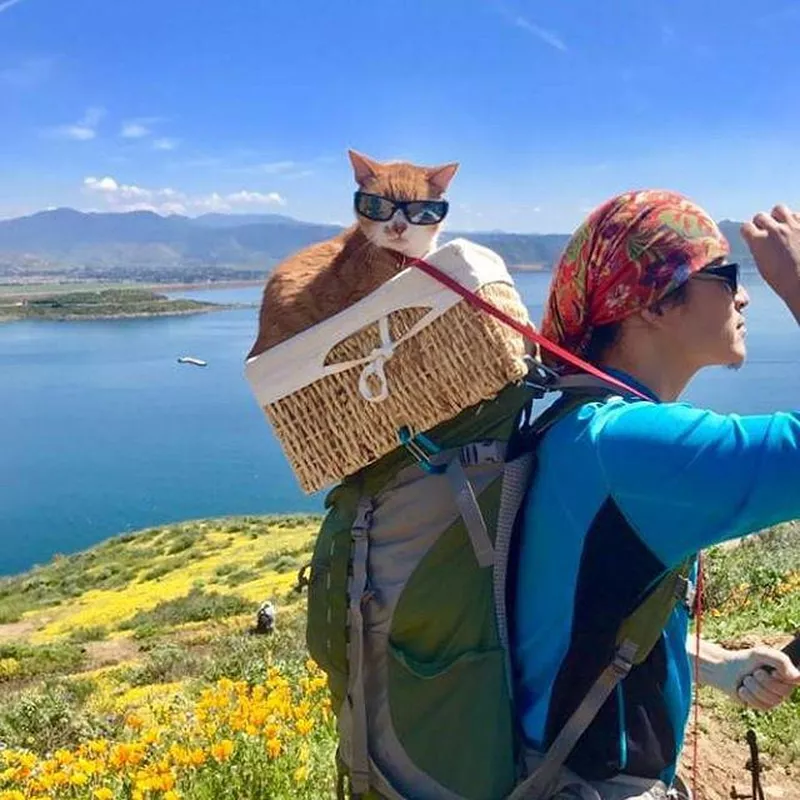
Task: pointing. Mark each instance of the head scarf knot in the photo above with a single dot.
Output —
(627, 255)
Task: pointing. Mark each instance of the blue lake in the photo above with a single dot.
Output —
(102, 431)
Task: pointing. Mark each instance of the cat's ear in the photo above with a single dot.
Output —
(363, 168)
(439, 177)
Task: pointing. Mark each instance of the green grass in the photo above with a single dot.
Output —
(51, 716)
(752, 594)
(145, 555)
(99, 303)
(93, 633)
(19, 660)
(746, 586)
(197, 606)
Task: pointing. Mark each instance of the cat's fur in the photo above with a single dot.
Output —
(325, 278)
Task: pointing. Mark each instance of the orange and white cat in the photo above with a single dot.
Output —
(399, 213)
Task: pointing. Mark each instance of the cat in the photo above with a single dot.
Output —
(325, 278)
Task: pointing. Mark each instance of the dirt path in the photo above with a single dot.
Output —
(723, 767)
(109, 652)
(10, 631)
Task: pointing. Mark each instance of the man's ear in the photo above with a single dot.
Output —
(655, 315)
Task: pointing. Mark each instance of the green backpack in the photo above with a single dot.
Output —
(407, 609)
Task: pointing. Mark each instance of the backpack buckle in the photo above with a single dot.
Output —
(476, 454)
(686, 593)
(422, 448)
(540, 376)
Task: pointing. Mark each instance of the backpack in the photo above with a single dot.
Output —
(407, 607)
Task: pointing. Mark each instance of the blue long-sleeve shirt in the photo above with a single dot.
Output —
(625, 490)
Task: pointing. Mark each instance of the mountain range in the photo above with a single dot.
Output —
(148, 246)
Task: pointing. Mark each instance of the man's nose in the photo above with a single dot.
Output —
(741, 299)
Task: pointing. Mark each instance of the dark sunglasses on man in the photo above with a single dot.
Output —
(417, 212)
(728, 273)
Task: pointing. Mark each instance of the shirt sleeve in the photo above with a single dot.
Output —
(687, 478)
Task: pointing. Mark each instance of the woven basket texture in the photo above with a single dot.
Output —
(328, 430)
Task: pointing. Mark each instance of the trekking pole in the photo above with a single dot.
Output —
(793, 650)
(755, 765)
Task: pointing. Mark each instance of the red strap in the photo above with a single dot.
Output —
(527, 331)
(698, 613)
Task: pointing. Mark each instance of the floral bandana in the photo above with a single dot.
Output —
(628, 254)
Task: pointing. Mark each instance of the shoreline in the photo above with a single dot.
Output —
(110, 317)
(32, 290)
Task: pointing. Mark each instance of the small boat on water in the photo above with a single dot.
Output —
(198, 362)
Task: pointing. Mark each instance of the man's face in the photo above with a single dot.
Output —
(709, 325)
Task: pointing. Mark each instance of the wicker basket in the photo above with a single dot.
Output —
(424, 356)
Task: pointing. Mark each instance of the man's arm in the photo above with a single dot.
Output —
(760, 677)
(774, 241)
(793, 302)
(688, 478)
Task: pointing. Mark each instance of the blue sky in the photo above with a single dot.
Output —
(250, 105)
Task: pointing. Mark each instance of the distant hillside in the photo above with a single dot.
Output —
(142, 245)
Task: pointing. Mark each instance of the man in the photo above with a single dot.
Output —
(627, 488)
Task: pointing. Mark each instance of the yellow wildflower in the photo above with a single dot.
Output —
(27, 760)
(79, 779)
(151, 736)
(60, 778)
(274, 747)
(97, 746)
(304, 726)
(222, 750)
(134, 721)
(64, 757)
(9, 667)
(103, 794)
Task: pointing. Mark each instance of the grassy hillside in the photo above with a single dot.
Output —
(129, 670)
(100, 304)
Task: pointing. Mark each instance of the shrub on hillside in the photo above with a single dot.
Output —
(92, 633)
(165, 567)
(754, 569)
(164, 663)
(197, 606)
(31, 661)
(52, 717)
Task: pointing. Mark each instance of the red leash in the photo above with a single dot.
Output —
(527, 331)
(698, 615)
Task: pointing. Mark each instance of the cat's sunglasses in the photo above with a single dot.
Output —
(417, 212)
(729, 273)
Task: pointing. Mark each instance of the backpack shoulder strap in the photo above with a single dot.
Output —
(636, 637)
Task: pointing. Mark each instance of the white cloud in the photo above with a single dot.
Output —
(4, 6)
(84, 129)
(548, 37)
(275, 167)
(286, 170)
(166, 143)
(245, 198)
(27, 74)
(102, 185)
(129, 197)
(138, 128)
(134, 130)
